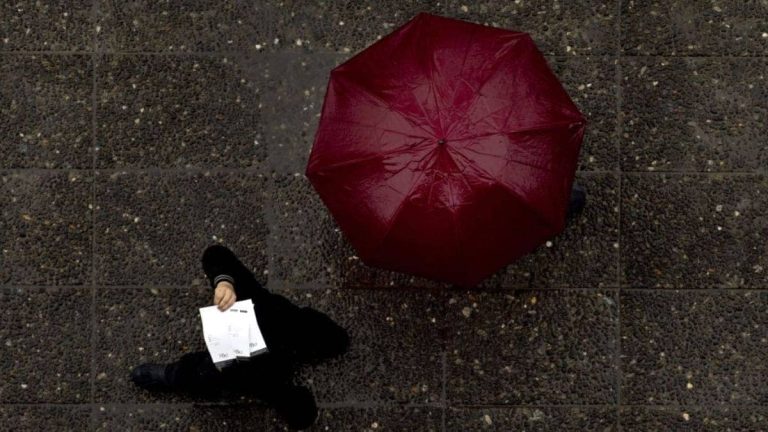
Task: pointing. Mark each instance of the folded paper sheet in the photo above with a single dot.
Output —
(233, 333)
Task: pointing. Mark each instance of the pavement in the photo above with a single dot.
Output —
(135, 133)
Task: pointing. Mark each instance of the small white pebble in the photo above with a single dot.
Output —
(464, 8)
(719, 207)
(298, 42)
(487, 419)
(686, 416)
(23, 386)
(736, 213)
(689, 386)
(549, 244)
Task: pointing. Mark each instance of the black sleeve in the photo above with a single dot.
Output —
(223, 277)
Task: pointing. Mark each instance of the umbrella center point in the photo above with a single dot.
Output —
(441, 141)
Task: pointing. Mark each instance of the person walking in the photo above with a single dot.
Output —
(294, 336)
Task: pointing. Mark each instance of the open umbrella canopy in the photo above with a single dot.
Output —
(446, 149)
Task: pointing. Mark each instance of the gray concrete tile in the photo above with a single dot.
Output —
(201, 25)
(694, 114)
(257, 418)
(585, 254)
(531, 347)
(700, 27)
(46, 228)
(45, 355)
(294, 85)
(591, 83)
(73, 418)
(27, 25)
(144, 325)
(694, 231)
(46, 112)
(694, 348)
(573, 28)
(395, 348)
(185, 418)
(178, 111)
(392, 419)
(685, 419)
(344, 26)
(152, 228)
(531, 419)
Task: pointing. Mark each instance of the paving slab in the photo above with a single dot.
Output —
(27, 25)
(144, 325)
(694, 114)
(226, 418)
(531, 347)
(693, 28)
(395, 353)
(565, 28)
(693, 419)
(694, 231)
(694, 348)
(152, 228)
(46, 227)
(45, 353)
(46, 111)
(170, 111)
(199, 26)
(531, 419)
(30, 418)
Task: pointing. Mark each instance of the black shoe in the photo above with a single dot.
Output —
(150, 376)
(577, 202)
(296, 405)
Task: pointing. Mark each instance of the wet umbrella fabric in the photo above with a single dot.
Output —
(446, 149)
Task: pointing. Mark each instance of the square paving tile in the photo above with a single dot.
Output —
(152, 228)
(700, 27)
(141, 325)
(45, 349)
(532, 347)
(46, 113)
(694, 348)
(575, 27)
(188, 26)
(345, 26)
(45, 228)
(684, 419)
(73, 418)
(257, 418)
(694, 231)
(177, 111)
(46, 26)
(531, 419)
(694, 114)
(294, 86)
(591, 84)
(395, 352)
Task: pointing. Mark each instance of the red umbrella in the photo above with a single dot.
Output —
(446, 149)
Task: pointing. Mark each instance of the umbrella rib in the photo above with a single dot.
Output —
(514, 193)
(377, 127)
(397, 211)
(365, 158)
(517, 161)
(536, 128)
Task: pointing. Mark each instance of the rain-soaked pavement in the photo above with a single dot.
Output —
(135, 133)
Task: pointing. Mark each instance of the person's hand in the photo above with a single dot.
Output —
(224, 295)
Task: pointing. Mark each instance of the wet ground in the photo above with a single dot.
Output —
(135, 133)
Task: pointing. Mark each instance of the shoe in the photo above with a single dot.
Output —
(577, 201)
(150, 376)
(296, 405)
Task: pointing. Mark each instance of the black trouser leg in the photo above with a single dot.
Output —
(195, 373)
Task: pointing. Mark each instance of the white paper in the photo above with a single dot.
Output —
(233, 333)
